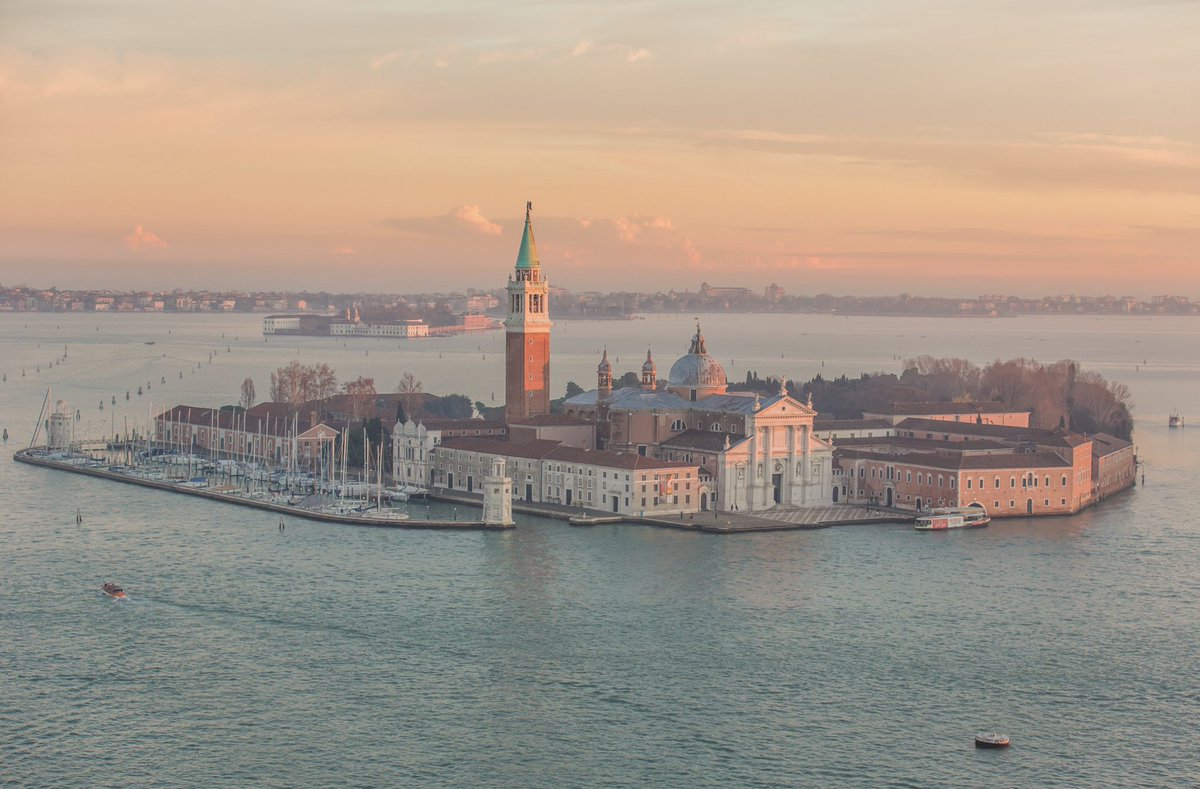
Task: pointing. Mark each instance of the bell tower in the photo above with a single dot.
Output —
(527, 334)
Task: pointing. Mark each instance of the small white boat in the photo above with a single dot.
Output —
(972, 517)
(992, 740)
(392, 494)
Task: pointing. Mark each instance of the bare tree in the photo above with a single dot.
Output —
(298, 383)
(360, 391)
(408, 386)
(248, 393)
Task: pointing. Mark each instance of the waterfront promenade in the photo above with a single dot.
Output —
(707, 522)
(783, 519)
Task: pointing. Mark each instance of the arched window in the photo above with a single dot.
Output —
(715, 427)
(679, 424)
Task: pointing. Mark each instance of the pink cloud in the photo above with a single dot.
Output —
(343, 250)
(140, 237)
(466, 218)
(470, 217)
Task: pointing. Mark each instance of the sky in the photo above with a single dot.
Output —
(934, 147)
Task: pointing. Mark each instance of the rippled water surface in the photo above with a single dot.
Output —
(617, 655)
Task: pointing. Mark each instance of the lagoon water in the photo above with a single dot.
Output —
(617, 655)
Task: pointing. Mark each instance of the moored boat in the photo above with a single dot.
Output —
(972, 517)
(992, 740)
(114, 591)
(1175, 420)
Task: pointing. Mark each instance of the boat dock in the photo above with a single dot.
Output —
(227, 495)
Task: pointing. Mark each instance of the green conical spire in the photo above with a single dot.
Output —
(527, 258)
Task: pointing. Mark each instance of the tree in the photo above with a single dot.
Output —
(628, 379)
(248, 397)
(408, 386)
(454, 406)
(573, 389)
(361, 391)
(298, 383)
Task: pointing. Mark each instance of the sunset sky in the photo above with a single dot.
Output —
(1026, 146)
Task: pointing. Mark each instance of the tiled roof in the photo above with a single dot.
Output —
(550, 420)
(281, 424)
(929, 445)
(1058, 438)
(462, 424)
(707, 440)
(541, 449)
(1105, 444)
(917, 409)
(622, 460)
(632, 398)
(637, 399)
(959, 461)
(734, 403)
(534, 448)
(850, 424)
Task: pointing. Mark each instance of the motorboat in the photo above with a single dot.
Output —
(113, 591)
(972, 517)
(992, 740)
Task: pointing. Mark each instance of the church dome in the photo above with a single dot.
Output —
(697, 372)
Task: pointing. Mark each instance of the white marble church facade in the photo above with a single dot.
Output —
(755, 453)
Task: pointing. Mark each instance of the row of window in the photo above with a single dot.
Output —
(923, 478)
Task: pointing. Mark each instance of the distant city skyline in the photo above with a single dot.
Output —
(841, 147)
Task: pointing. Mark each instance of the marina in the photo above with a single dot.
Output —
(328, 509)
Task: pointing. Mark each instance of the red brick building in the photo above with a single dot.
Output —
(1011, 471)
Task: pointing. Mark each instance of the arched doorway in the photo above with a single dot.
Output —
(1029, 506)
(835, 494)
(704, 502)
(918, 503)
(888, 498)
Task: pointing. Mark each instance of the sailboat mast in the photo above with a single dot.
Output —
(41, 415)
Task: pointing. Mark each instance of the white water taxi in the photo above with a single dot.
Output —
(972, 517)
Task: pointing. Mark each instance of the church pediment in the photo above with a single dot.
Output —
(783, 408)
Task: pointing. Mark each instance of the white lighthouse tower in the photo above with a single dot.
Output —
(497, 496)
